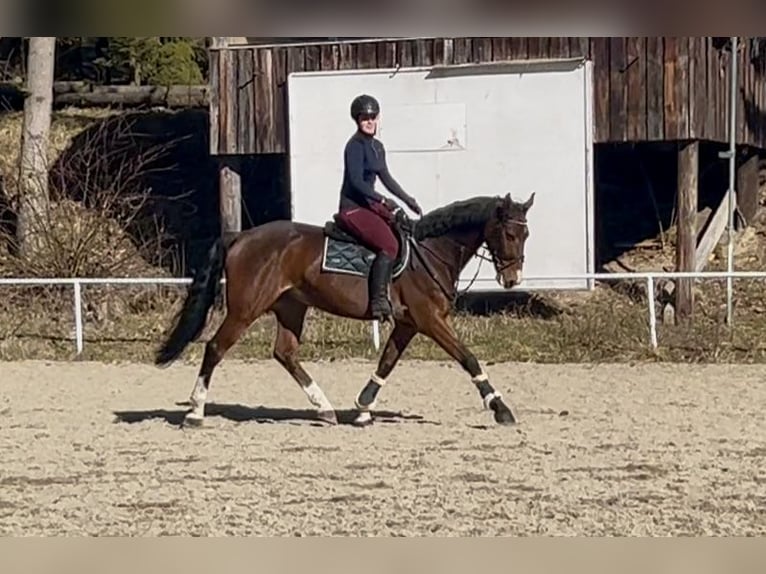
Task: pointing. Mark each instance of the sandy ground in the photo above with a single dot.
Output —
(650, 450)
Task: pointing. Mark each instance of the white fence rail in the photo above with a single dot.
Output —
(78, 282)
(649, 277)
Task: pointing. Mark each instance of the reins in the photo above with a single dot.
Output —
(454, 293)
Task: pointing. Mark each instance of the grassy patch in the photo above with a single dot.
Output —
(127, 323)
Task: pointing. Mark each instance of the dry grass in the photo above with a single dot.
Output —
(126, 323)
(65, 125)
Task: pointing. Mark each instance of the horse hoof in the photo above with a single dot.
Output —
(328, 416)
(504, 417)
(363, 419)
(192, 420)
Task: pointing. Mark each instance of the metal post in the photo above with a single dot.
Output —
(732, 173)
(78, 316)
(652, 312)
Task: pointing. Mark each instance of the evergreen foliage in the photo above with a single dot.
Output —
(137, 60)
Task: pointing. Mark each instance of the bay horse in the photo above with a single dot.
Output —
(285, 267)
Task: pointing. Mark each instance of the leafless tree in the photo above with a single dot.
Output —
(33, 161)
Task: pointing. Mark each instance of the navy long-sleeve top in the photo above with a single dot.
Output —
(365, 160)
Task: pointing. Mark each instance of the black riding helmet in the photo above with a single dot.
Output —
(364, 104)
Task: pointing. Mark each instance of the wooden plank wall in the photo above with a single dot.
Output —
(646, 89)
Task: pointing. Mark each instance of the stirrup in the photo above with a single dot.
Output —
(381, 310)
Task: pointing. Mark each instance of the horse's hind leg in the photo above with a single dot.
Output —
(228, 333)
(290, 316)
(240, 314)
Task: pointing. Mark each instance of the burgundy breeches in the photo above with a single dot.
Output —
(371, 229)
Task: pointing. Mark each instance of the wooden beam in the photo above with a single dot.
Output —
(137, 96)
(220, 41)
(713, 233)
(747, 188)
(230, 195)
(688, 176)
(82, 94)
(600, 56)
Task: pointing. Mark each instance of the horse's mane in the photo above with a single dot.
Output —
(456, 215)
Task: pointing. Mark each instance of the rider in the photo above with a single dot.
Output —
(365, 212)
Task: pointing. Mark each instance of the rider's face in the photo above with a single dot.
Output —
(368, 123)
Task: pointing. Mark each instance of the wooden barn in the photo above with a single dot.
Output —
(657, 96)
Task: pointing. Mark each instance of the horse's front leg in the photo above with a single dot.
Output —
(397, 342)
(444, 335)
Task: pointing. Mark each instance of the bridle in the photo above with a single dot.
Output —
(499, 264)
(503, 264)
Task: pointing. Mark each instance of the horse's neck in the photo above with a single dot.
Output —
(456, 249)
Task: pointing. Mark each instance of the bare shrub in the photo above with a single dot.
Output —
(101, 219)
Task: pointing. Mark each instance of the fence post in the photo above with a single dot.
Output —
(78, 316)
(652, 311)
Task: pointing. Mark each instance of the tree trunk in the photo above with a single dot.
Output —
(33, 168)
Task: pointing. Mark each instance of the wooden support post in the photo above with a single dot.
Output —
(230, 196)
(688, 175)
(229, 174)
(747, 188)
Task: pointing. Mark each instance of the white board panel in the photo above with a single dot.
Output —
(457, 132)
(440, 127)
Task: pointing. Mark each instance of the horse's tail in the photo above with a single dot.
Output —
(191, 319)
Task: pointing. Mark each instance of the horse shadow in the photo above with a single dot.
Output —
(262, 415)
(520, 303)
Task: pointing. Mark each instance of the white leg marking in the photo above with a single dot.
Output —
(197, 399)
(199, 392)
(480, 378)
(317, 397)
(363, 418)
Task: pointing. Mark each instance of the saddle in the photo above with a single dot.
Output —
(344, 253)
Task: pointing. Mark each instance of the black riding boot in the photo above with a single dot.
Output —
(380, 277)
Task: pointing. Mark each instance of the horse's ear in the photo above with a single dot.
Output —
(504, 207)
(528, 203)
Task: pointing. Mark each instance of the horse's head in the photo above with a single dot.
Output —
(505, 234)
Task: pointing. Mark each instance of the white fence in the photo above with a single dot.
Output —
(650, 278)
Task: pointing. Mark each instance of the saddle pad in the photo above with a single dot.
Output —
(355, 259)
(344, 257)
